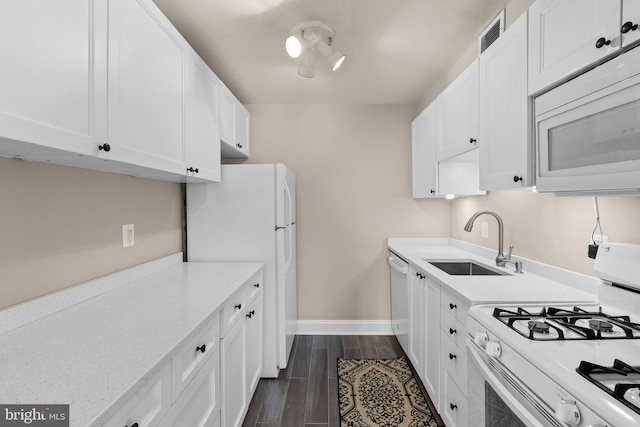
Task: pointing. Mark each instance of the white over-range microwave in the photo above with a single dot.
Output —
(587, 131)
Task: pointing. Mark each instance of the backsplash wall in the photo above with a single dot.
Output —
(62, 226)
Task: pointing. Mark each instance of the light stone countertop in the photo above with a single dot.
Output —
(549, 284)
(96, 354)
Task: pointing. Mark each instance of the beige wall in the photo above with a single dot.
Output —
(353, 170)
(62, 226)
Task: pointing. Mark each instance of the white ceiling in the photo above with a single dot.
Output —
(396, 49)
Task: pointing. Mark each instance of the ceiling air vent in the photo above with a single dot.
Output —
(492, 32)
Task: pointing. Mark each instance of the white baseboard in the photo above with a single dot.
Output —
(344, 327)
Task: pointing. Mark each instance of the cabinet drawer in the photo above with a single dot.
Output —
(149, 405)
(233, 310)
(253, 288)
(187, 362)
(454, 404)
(199, 405)
(454, 307)
(454, 361)
(453, 329)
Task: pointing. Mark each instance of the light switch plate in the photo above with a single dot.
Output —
(127, 236)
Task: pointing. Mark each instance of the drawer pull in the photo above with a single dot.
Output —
(452, 306)
(453, 406)
(452, 331)
(238, 306)
(452, 356)
(251, 313)
(202, 348)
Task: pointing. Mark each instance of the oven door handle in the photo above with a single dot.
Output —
(514, 404)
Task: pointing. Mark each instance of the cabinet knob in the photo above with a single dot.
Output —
(452, 331)
(432, 191)
(452, 306)
(602, 42)
(239, 145)
(202, 348)
(238, 306)
(106, 147)
(517, 178)
(257, 285)
(472, 140)
(452, 356)
(628, 26)
(191, 169)
(133, 425)
(251, 314)
(453, 406)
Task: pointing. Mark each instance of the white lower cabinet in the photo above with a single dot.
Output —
(255, 326)
(454, 407)
(431, 379)
(199, 405)
(234, 374)
(416, 319)
(147, 406)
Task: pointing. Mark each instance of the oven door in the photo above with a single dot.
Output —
(498, 399)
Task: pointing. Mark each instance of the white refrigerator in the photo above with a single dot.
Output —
(251, 216)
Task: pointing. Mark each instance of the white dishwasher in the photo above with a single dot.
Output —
(399, 278)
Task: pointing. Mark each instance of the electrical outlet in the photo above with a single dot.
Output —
(127, 236)
(598, 239)
(484, 229)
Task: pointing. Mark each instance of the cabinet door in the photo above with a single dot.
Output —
(234, 383)
(227, 116)
(203, 133)
(242, 128)
(416, 324)
(255, 338)
(630, 13)
(563, 36)
(431, 378)
(53, 80)
(458, 114)
(234, 125)
(505, 154)
(424, 175)
(146, 87)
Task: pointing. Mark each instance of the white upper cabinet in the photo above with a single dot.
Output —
(569, 35)
(53, 80)
(630, 21)
(506, 159)
(234, 125)
(146, 87)
(424, 177)
(457, 108)
(203, 130)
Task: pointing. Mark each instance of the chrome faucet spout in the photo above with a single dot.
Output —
(500, 259)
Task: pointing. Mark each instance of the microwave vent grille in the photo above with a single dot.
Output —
(493, 31)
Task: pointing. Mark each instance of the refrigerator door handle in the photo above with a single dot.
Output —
(290, 203)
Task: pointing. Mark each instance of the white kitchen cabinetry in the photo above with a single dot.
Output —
(453, 359)
(203, 130)
(149, 405)
(234, 125)
(241, 350)
(431, 378)
(416, 319)
(506, 154)
(567, 36)
(147, 102)
(424, 171)
(457, 112)
(53, 80)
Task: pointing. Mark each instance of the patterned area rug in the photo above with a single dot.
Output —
(380, 393)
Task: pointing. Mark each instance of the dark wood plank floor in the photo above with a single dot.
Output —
(306, 393)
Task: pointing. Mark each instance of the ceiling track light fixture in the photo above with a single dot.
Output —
(307, 38)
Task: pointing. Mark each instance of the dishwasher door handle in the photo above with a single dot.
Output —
(399, 268)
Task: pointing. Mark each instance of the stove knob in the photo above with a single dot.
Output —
(481, 338)
(493, 349)
(633, 396)
(568, 412)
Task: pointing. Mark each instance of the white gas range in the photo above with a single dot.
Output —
(560, 364)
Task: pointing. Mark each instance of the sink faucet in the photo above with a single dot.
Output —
(501, 260)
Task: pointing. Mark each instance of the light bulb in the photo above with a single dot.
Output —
(293, 46)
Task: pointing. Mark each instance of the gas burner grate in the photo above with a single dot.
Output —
(591, 371)
(597, 324)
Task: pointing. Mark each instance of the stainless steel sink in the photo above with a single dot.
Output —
(465, 268)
